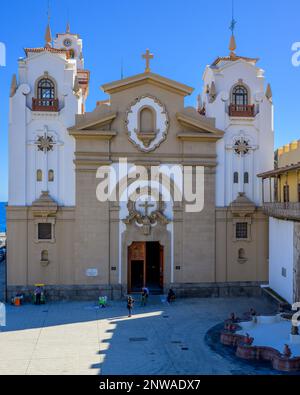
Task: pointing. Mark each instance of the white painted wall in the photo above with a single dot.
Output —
(258, 130)
(26, 125)
(281, 256)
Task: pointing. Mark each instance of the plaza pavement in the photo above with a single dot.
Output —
(77, 338)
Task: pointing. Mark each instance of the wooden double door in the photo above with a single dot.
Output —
(145, 266)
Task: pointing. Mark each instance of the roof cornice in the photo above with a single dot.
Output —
(151, 78)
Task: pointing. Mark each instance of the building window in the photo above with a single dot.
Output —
(241, 230)
(236, 177)
(240, 96)
(246, 178)
(46, 91)
(39, 175)
(51, 176)
(44, 231)
(286, 193)
(71, 53)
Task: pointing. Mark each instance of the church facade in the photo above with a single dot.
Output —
(61, 234)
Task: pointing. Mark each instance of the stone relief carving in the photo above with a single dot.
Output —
(144, 219)
(149, 140)
(242, 146)
(45, 143)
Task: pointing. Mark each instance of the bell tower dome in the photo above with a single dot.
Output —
(72, 43)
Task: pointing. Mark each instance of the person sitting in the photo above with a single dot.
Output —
(171, 296)
(18, 296)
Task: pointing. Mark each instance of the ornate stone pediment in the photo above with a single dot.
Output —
(45, 206)
(145, 220)
(242, 206)
(147, 123)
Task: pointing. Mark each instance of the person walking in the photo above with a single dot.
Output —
(130, 303)
(38, 295)
(145, 295)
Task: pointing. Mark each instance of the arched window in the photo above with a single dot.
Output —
(39, 175)
(147, 120)
(71, 53)
(51, 175)
(46, 91)
(235, 177)
(246, 178)
(240, 96)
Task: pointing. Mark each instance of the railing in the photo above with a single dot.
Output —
(283, 210)
(45, 105)
(236, 110)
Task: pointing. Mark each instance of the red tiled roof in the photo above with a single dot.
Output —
(47, 49)
(233, 58)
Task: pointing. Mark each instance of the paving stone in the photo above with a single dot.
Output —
(77, 338)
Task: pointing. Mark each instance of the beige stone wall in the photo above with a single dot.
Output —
(198, 239)
(87, 236)
(289, 154)
(228, 268)
(24, 253)
(92, 231)
(98, 223)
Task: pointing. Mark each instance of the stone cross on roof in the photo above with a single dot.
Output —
(148, 56)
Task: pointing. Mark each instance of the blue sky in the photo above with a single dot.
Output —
(184, 35)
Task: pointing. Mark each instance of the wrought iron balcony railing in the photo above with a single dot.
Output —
(45, 105)
(241, 110)
(283, 210)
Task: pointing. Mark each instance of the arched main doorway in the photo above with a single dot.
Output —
(145, 266)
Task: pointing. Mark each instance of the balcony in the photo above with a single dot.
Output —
(236, 110)
(49, 105)
(289, 211)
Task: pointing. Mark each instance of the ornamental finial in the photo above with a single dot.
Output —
(48, 36)
(232, 44)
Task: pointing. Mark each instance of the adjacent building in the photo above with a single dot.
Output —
(282, 204)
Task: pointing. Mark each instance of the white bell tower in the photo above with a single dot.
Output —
(49, 91)
(72, 43)
(236, 95)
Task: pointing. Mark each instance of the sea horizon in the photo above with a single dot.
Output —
(2, 217)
